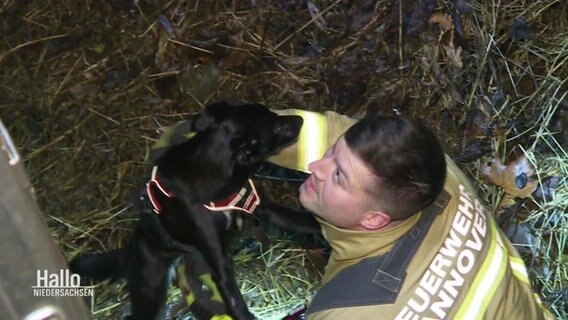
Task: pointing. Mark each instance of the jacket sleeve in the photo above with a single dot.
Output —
(319, 132)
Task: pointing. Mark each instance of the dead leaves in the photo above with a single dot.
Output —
(454, 55)
(443, 20)
(237, 57)
(514, 178)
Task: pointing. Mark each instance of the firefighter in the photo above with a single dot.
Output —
(410, 238)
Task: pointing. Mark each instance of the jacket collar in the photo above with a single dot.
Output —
(350, 247)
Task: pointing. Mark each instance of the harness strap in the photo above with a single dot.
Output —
(150, 189)
(246, 200)
(379, 279)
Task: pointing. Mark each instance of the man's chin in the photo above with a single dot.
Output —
(305, 201)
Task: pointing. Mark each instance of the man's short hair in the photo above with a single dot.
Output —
(406, 158)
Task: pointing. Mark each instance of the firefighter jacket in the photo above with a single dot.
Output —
(449, 261)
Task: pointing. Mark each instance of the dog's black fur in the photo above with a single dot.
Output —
(230, 143)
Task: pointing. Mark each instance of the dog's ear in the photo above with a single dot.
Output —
(211, 116)
(203, 121)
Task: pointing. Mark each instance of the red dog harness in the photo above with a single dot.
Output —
(150, 187)
(246, 200)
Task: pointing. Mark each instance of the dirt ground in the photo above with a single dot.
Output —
(86, 88)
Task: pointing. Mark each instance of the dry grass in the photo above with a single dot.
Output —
(86, 87)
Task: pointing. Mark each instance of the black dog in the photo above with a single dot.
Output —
(188, 185)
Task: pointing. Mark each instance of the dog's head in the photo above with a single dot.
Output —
(227, 145)
(251, 131)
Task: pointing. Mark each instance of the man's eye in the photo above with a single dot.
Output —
(336, 175)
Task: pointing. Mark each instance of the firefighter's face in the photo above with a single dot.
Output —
(337, 190)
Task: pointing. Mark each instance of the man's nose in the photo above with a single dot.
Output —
(318, 168)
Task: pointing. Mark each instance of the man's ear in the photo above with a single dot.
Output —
(375, 220)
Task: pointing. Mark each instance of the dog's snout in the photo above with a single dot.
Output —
(290, 125)
(298, 122)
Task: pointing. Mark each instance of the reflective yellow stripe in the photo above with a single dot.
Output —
(547, 313)
(190, 299)
(221, 317)
(184, 284)
(486, 281)
(312, 142)
(207, 280)
(190, 135)
(519, 269)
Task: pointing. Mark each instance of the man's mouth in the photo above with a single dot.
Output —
(309, 184)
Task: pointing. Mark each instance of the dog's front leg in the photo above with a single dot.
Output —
(288, 218)
(223, 273)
